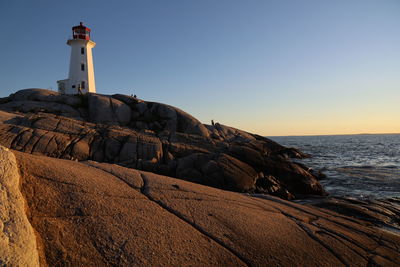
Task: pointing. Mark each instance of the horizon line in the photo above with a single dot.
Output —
(300, 135)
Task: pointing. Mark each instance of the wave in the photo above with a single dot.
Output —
(390, 167)
(368, 167)
(358, 167)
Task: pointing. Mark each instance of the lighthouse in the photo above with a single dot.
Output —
(81, 71)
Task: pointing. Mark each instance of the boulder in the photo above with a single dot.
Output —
(104, 109)
(33, 94)
(232, 134)
(167, 114)
(188, 124)
(246, 154)
(129, 100)
(238, 175)
(43, 95)
(141, 107)
(297, 180)
(218, 170)
(270, 185)
(37, 106)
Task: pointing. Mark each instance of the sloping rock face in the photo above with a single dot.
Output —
(384, 213)
(17, 238)
(153, 137)
(99, 214)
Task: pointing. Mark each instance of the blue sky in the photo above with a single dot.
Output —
(270, 67)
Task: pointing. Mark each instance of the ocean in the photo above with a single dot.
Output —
(359, 166)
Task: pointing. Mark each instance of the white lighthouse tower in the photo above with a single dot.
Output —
(81, 71)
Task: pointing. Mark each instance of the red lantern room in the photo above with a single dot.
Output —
(81, 32)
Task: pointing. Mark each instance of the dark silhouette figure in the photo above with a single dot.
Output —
(80, 90)
(212, 122)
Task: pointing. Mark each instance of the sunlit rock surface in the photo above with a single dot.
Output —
(98, 214)
(17, 238)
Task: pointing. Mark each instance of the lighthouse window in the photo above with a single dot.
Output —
(83, 84)
(82, 67)
(82, 50)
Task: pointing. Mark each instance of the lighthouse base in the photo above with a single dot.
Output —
(62, 85)
(65, 87)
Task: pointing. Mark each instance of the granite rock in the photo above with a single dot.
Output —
(153, 137)
(99, 214)
(18, 245)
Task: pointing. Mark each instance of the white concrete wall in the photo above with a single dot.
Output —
(90, 68)
(76, 75)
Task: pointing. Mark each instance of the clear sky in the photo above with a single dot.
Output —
(271, 67)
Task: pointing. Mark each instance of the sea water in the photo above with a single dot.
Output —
(361, 166)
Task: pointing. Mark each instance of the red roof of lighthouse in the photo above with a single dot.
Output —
(81, 32)
(81, 26)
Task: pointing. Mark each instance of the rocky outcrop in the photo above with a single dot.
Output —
(153, 137)
(384, 213)
(103, 109)
(98, 214)
(218, 170)
(17, 239)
